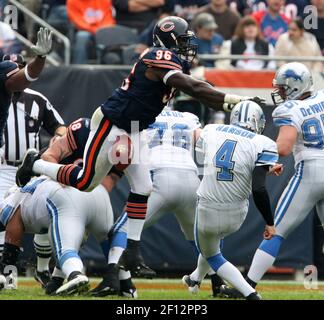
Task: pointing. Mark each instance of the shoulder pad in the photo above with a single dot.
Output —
(162, 58)
(7, 68)
(78, 133)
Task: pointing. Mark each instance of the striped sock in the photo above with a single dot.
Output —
(136, 213)
(43, 251)
(2, 240)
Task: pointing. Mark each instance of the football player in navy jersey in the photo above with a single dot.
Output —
(131, 108)
(14, 79)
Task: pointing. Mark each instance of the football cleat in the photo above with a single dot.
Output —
(77, 283)
(132, 260)
(25, 170)
(230, 292)
(3, 281)
(11, 282)
(254, 296)
(109, 285)
(216, 283)
(128, 289)
(53, 285)
(193, 286)
(43, 277)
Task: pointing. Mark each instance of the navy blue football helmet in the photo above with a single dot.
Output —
(173, 33)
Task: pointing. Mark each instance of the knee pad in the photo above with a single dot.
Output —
(272, 246)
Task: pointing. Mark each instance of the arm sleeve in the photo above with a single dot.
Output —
(283, 115)
(7, 69)
(268, 154)
(260, 194)
(52, 119)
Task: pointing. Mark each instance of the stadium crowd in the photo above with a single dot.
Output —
(117, 31)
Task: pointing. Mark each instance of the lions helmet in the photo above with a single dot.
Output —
(173, 33)
(291, 81)
(248, 115)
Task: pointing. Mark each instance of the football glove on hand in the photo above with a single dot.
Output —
(44, 42)
(230, 100)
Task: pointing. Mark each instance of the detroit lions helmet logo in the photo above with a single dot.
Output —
(292, 74)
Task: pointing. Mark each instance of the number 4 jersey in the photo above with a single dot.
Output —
(139, 98)
(230, 155)
(307, 116)
(170, 140)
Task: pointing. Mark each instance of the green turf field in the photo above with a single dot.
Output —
(28, 289)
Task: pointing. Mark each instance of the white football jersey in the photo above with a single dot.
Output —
(307, 116)
(230, 155)
(170, 140)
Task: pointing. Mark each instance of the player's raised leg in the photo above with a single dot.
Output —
(95, 159)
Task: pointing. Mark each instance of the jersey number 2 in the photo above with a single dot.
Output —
(223, 160)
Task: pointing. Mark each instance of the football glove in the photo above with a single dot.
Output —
(230, 100)
(44, 42)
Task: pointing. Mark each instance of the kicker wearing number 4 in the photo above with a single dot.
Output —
(301, 133)
(150, 85)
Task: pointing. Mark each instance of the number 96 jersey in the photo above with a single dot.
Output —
(139, 98)
(307, 116)
(170, 140)
(230, 155)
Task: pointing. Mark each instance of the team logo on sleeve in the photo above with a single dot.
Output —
(167, 26)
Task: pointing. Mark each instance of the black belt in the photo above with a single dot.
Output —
(14, 163)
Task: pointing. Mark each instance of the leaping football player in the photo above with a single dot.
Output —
(160, 71)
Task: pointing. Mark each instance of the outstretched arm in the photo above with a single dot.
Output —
(201, 90)
(22, 79)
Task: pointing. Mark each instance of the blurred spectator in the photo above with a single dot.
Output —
(88, 16)
(146, 37)
(319, 31)
(208, 40)
(292, 8)
(35, 7)
(187, 9)
(248, 42)
(3, 3)
(225, 18)
(57, 14)
(298, 42)
(271, 21)
(8, 42)
(137, 14)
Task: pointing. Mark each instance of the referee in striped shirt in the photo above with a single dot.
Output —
(29, 111)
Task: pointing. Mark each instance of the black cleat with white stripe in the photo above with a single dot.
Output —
(25, 170)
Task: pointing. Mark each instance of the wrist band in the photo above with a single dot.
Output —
(28, 77)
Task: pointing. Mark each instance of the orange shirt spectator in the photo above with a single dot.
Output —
(90, 15)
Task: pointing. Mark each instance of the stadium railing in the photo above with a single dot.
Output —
(65, 40)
